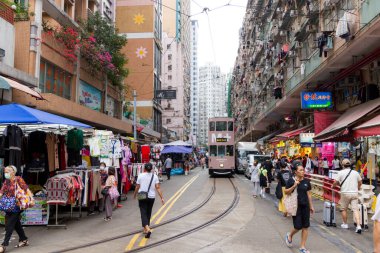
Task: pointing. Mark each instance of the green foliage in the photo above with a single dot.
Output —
(21, 11)
(107, 37)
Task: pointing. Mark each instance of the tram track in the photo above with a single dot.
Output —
(109, 239)
(230, 208)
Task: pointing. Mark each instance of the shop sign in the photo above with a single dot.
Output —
(281, 144)
(306, 138)
(110, 106)
(316, 100)
(165, 94)
(90, 96)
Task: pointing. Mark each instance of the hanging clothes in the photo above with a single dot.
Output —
(62, 152)
(12, 146)
(52, 151)
(75, 139)
(145, 153)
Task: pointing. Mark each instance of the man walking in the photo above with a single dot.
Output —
(350, 183)
(168, 166)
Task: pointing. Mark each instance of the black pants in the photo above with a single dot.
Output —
(146, 207)
(12, 222)
(168, 171)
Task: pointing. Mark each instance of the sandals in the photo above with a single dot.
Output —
(22, 244)
(148, 234)
(304, 251)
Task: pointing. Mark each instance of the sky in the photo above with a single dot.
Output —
(221, 45)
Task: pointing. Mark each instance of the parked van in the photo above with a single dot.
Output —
(251, 158)
(243, 149)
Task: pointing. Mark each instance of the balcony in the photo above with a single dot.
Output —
(369, 10)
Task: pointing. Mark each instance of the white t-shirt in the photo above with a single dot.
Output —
(351, 183)
(144, 179)
(336, 164)
(376, 216)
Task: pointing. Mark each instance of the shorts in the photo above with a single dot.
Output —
(349, 198)
(302, 218)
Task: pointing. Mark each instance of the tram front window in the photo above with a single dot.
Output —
(213, 150)
(221, 150)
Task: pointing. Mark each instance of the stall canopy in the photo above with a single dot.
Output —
(6, 84)
(369, 128)
(340, 127)
(295, 132)
(178, 143)
(23, 115)
(177, 149)
(267, 137)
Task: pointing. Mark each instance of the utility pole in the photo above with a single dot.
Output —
(134, 94)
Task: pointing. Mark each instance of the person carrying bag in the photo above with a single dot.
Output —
(146, 197)
(15, 198)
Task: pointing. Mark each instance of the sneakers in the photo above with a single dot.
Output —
(358, 230)
(287, 241)
(344, 226)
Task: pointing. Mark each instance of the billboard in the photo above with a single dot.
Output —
(90, 96)
(316, 100)
(165, 94)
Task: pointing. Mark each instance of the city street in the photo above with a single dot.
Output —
(253, 225)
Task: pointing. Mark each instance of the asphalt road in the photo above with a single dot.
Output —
(253, 225)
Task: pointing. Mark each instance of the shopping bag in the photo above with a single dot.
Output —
(24, 198)
(291, 202)
(8, 204)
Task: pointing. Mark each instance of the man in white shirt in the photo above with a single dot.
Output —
(336, 163)
(350, 183)
(168, 166)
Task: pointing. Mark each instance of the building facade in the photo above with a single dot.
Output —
(289, 47)
(194, 80)
(42, 63)
(212, 102)
(141, 22)
(176, 66)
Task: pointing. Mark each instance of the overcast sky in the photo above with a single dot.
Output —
(225, 23)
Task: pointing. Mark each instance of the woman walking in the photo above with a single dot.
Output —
(255, 178)
(112, 193)
(12, 219)
(147, 194)
(304, 207)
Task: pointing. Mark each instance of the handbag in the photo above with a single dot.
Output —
(24, 199)
(105, 190)
(291, 203)
(9, 204)
(144, 195)
(278, 191)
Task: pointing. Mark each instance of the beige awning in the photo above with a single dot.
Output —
(6, 83)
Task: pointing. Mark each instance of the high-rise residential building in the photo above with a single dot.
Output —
(141, 22)
(194, 80)
(176, 63)
(212, 102)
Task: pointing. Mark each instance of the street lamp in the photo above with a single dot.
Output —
(134, 94)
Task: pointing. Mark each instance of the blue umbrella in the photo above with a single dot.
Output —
(177, 149)
(20, 114)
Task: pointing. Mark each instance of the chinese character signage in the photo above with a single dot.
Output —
(165, 94)
(306, 138)
(221, 139)
(90, 96)
(316, 100)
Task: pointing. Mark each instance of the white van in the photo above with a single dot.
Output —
(251, 158)
(243, 149)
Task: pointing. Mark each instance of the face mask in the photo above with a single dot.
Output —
(102, 167)
(7, 175)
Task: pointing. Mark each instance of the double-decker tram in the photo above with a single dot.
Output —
(221, 146)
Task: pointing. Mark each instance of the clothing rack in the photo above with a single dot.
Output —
(57, 225)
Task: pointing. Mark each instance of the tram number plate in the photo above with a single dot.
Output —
(221, 139)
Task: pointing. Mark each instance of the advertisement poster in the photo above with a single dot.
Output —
(316, 100)
(38, 215)
(90, 96)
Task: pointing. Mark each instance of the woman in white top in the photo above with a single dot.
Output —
(145, 183)
(255, 177)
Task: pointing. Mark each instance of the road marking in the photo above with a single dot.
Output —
(175, 198)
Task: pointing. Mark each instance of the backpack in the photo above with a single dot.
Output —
(286, 176)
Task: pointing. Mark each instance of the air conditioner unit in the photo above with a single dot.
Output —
(298, 45)
(293, 13)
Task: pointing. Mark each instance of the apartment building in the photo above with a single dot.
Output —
(141, 22)
(212, 102)
(289, 47)
(176, 66)
(194, 77)
(42, 63)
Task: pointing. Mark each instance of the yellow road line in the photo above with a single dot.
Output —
(132, 242)
(171, 204)
(181, 190)
(168, 202)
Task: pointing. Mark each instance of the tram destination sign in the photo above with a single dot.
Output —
(165, 94)
(221, 140)
(316, 100)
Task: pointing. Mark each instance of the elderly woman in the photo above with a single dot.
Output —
(12, 219)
